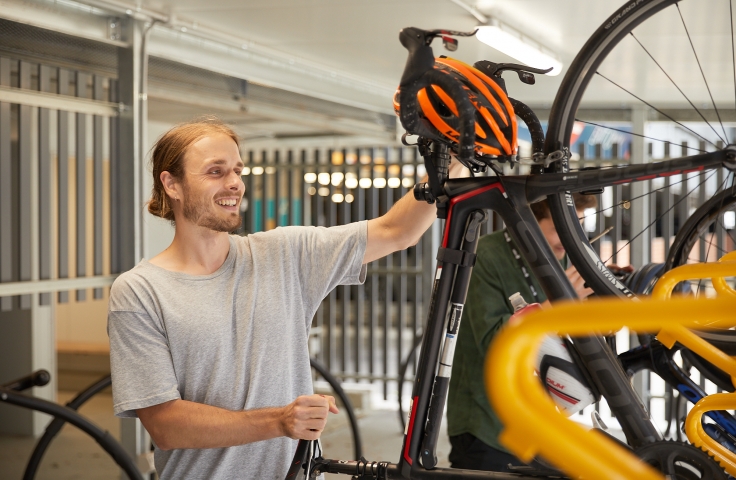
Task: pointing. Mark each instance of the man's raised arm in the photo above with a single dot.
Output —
(403, 225)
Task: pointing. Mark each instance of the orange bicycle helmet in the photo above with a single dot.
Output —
(495, 121)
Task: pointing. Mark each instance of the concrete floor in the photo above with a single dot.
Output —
(75, 456)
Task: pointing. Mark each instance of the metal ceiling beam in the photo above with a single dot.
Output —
(181, 39)
(311, 119)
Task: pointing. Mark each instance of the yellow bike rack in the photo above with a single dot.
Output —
(533, 425)
(719, 283)
(721, 401)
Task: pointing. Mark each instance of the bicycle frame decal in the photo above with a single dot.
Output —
(604, 270)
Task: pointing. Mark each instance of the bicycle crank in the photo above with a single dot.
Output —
(680, 461)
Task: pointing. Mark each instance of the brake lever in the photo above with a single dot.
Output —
(525, 73)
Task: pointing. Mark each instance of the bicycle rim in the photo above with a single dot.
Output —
(624, 35)
(700, 234)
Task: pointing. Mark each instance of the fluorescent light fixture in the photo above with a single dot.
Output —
(506, 40)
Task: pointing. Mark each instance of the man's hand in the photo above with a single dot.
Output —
(305, 418)
(578, 283)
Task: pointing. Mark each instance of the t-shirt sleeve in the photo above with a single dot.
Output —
(328, 257)
(140, 361)
(487, 309)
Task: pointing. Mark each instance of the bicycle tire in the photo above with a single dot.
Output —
(700, 222)
(340, 392)
(54, 427)
(561, 120)
(696, 225)
(103, 438)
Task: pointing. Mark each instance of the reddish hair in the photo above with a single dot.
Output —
(168, 154)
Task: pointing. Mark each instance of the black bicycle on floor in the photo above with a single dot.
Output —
(463, 204)
(10, 393)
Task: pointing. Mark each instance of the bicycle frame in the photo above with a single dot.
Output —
(463, 202)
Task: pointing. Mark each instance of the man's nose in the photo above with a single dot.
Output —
(235, 181)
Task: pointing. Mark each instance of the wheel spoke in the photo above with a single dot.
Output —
(660, 216)
(702, 73)
(656, 109)
(679, 89)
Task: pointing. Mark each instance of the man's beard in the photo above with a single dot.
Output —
(198, 212)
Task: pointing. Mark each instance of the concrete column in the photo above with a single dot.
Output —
(640, 220)
(640, 208)
(127, 234)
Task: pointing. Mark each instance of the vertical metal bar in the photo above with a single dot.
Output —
(6, 190)
(98, 184)
(318, 219)
(668, 218)
(360, 310)
(359, 202)
(284, 186)
(265, 193)
(681, 210)
(652, 218)
(24, 185)
(81, 185)
(719, 230)
(617, 222)
(403, 260)
(63, 184)
(388, 320)
(251, 192)
(347, 325)
(114, 126)
(374, 309)
(306, 214)
(278, 192)
(44, 186)
(332, 308)
(257, 194)
(705, 248)
(292, 205)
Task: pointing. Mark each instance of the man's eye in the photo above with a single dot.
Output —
(215, 172)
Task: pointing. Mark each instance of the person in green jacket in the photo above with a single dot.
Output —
(472, 425)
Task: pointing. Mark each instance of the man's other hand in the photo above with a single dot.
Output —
(305, 418)
(578, 283)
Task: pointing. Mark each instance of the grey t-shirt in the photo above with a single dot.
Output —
(235, 339)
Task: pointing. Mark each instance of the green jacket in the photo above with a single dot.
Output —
(496, 276)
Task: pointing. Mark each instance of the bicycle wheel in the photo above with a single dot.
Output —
(696, 237)
(628, 61)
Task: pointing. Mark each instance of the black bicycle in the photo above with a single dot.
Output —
(69, 413)
(463, 203)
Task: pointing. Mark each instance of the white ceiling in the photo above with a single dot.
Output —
(360, 38)
(348, 52)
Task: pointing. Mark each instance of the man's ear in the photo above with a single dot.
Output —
(171, 186)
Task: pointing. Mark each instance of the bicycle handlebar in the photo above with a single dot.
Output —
(39, 378)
